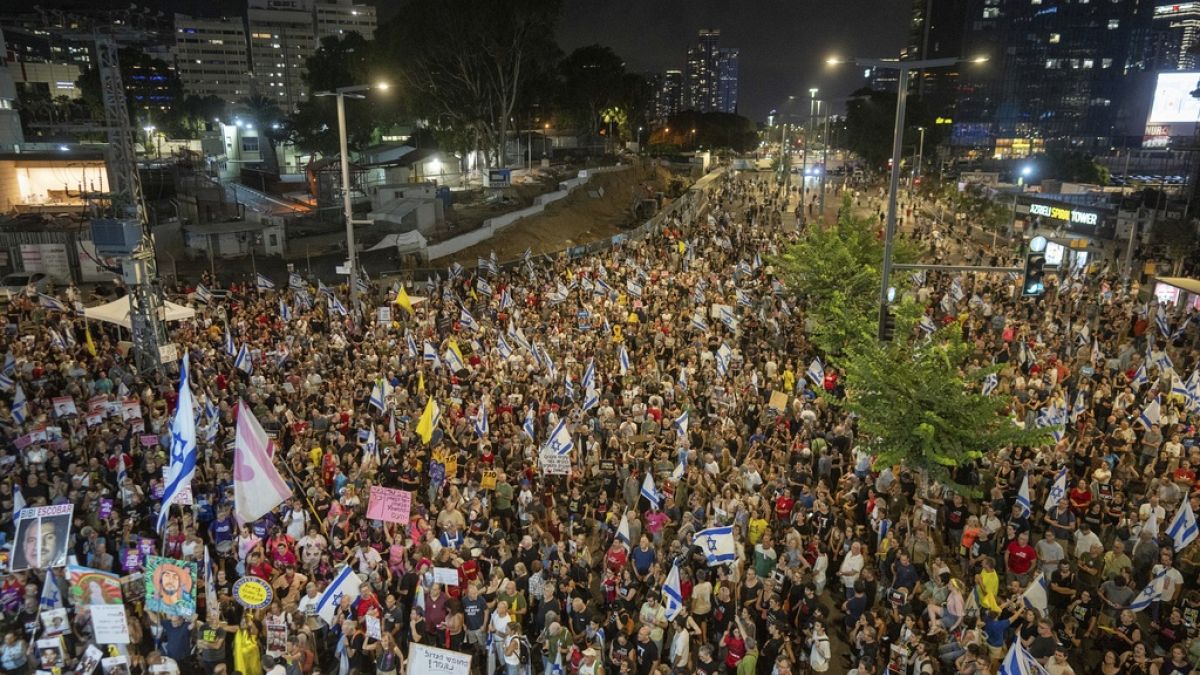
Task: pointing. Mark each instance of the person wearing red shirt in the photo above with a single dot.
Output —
(1020, 558)
(783, 506)
(616, 557)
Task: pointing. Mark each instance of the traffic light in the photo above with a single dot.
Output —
(887, 324)
(1033, 284)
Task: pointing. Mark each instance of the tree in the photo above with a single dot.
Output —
(918, 406)
(592, 80)
(1074, 167)
(341, 61)
(871, 125)
(467, 66)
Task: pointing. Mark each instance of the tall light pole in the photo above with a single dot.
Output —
(347, 204)
(920, 158)
(889, 231)
(812, 99)
(824, 161)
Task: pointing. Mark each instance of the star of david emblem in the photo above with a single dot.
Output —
(337, 599)
(711, 544)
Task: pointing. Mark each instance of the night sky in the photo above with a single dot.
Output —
(784, 43)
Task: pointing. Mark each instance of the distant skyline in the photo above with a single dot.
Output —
(783, 43)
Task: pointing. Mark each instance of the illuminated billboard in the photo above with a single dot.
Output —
(1173, 100)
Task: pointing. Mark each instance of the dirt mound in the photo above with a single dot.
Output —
(578, 219)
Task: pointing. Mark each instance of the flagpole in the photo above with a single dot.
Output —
(307, 501)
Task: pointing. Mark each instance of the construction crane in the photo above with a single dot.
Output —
(139, 270)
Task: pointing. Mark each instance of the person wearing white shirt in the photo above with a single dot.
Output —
(851, 568)
(1085, 538)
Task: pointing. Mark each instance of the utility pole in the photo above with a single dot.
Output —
(824, 162)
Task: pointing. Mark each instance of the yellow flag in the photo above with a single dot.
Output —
(682, 248)
(421, 381)
(453, 345)
(429, 420)
(403, 301)
(91, 346)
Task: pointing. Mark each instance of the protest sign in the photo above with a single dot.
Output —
(41, 537)
(132, 560)
(54, 621)
(50, 654)
(488, 480)
(447, 576)
(277, 634)
(109, 624)
(554, 464)
(778, 401)
(170, 586)
(148, 440)
(133, 588)
(374, 630)
(95, 419)
(252, 592)
(131, 410)
(106, 507)
(423, 660)
(93, 587)
(383, 315)
(64, 406)
(91, 659)
(115, 665)
(389, 504)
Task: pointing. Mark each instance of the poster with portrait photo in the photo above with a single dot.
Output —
(54, 621)
(170, 586)
(49, 654)
(115, 665)
(41, 537)
(91, 659)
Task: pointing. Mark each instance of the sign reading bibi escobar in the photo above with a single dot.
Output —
(424, 660)
(170, 586)
(41, 537)
(389, 504)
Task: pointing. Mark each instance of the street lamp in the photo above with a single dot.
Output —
(920, 159)
(149, 129)
(812, 99)
(343, 147)
(904, 67)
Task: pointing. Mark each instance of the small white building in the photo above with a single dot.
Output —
(235, 239)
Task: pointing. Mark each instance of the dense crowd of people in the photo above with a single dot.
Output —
(663, 361)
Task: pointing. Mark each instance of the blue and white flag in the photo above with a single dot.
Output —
(20, 406)
(1150, 414)
(1019, 661)
(1183, 528)
(285, 312)
(1150, 594)
(1058, 491)
(230, 347)
(51, 302)
(182, 465)
(672, 594)
(560, 441)
(717, 544)
(243, 361)
(634, 288)
(728, 318)
(335, 305)
(322, 288)
(362, 286)
(816, 372)
(483, 287)
(681, 424)
(345, 585)
(6, 382)
(1160, 321)
(51, 595)
(453, 361)
(295, 282)
(589, 375)
(724, 358)
(19, 500)
(591, 399)
(698, 323)
(1037, 596)
(371, 447)
(455, 271)
(1182, 327)
(742, 298)
(1079, 407)
(56, 340)
(989, 384)
(1179, 387)
(503, 348)
(527, 425)
(10, 364)
(601, 288)
(1139, 377)
(650, 492)
(467, 321)
(927, 326)
(203, 294)
(1023, 497)
(429, 353)
(264, 284)
(377, 397)
(623, 530)
(481, 422)
(506, 300)
(623, 360)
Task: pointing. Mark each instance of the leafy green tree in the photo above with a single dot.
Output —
(919, 406)
(270, 123)
(341, 61)
(592, 80)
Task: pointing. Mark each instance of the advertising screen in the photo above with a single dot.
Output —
(1173, 100)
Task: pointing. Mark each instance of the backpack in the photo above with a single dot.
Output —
(524, 651)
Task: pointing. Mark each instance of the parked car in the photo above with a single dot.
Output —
(17, 283)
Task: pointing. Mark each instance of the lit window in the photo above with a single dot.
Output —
(1055, 38)
(991, 12)
(1114, 24)
(1088, 63)
(1106, 63)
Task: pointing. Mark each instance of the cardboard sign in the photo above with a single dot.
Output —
(148, 440)
(131, 410)
(554, 464)
(95, 419)
(383, 315)
(277, 634)
(252, 592)
(42, 535)
(132, 560)
(109, 624)
(171, 586)
(91, 659)
(64, 406)
(488, 480)
(447, 576)
(115, 665)
(423, 660)
(778, 401)
(106, 508)
(132, 587)
(374, 630)
(93, 587)
(389, 505)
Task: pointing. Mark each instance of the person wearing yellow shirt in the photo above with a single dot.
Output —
(789, 380)
(756, 527)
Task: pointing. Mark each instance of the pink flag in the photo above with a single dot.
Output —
(257, 486)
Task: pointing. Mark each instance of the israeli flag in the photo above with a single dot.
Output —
(304, 300)
(927, 325)
(717, 544)
(377, 397)
(51, 596)
(527, 425)
(551, 370)
(429, 353)
(362, 285)
(294, 281)
(1023, 497)
(1019, 661)
(672, 594)
(623, 530)
(1096, 353)
(372, 445)
(6, 382)
(650, 492)
(453, 361)
(1139, 377)
(1178, 386)
(243, 361)
(728, 318)
(56, 340)
(1150, 415)
(19, 499)
(20, 406)
(569, 386)
(1036, 595)
(623, 360)
(1058, 491)
(724, 358)
(1160, 320)
(264, 284)
(1150, 594)
(481, 422)
(345, 584)
(757, 263)
(743, 299)
(634, 288)
(468, 321)
(1182, 327)
(697, 296)
(1163, 360)
(560, 439)
(956, 290)
(503, 348)
(591, 399)
(1080, 406)
(601, 288)
(455, 271)
(483, 287)
(816, 372)
(1183, 528)
(412, 346)
(681, 424)
(182, 466)
(322, 288)
(683, 378)
(285, 312)
(506, 300)
(589, 375)
(203, 294)
(10, 364)
(989, 384)
(50, 302)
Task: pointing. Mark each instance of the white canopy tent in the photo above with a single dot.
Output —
(117, 312)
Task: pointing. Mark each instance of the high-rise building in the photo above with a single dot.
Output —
(212, 57)
(1177, 27)
(936, 32)
(284, 33)
(712, 75)
(11, 136)
(668, 95)
(1058, 72)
